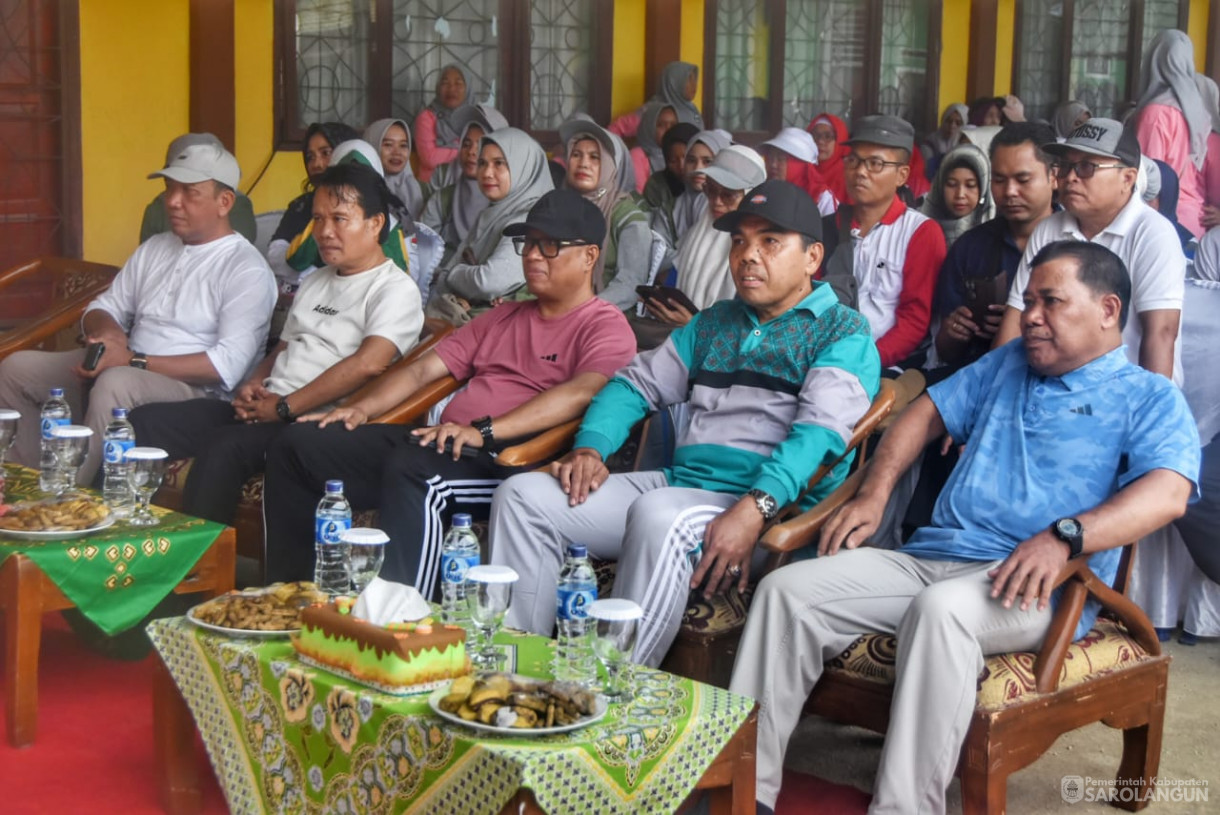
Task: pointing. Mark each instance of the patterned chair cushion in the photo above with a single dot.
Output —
(1006, 678)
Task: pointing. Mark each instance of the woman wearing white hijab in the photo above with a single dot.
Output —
(960, 198)
(598, 168)
(456, 200)
(392, 138)
(703, 252)
(513, 174)
(690, 205)
(1172, 121)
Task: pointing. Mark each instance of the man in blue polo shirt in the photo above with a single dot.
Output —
(775, 379)
(1070, 450)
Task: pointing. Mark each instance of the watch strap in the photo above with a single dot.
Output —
(138, 360)
(283, 410)
(483, 425)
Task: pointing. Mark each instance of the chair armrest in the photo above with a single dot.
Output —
(419, 403)
(543, 447)
(784, 538)
(1080, 582)
(75, 284)
(907, 388)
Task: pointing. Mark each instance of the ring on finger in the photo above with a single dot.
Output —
(734, 570)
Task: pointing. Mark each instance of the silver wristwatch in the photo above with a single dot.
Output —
(768, 507)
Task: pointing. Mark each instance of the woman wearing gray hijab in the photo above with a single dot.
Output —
(1068, 116)
(690, 205)
(677, 87)
(436, 130)
(392, 138)
(598, 166)
(513, 175)
(456, 200)
(1172, 122)
(946, 138)
(647, 156)
(960, 198)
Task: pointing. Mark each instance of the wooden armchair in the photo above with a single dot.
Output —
(706, 645)
(41, 302)
(1115, 674)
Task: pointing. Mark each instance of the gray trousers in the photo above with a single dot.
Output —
(26, 376)
(654, 531)
(942, 612)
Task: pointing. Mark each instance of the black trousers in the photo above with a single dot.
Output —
(415, 489)
(227, 452)
(1200, 526)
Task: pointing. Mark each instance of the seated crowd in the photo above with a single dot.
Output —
(1036, 272)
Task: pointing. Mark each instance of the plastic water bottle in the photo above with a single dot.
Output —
(334, 517)
(577, 589)
(459, 552)
(119, 438)
(55, 411)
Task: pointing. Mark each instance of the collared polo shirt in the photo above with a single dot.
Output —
(769, 401)
(1147, 244)
(1039, 448)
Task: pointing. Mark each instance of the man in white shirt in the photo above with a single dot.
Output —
(185, 317)
(1097, 167)
(350, 319)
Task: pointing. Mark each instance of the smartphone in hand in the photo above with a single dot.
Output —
(93, 355)
(667, 296)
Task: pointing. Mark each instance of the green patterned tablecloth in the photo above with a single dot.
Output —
(287, 737)
(116, 576)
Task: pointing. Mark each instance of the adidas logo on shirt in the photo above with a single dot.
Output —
(550, 357)
(327, 310)
(1086, 410)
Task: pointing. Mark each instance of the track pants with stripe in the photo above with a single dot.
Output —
(653, 530)
(415, 490)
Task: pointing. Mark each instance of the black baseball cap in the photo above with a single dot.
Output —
(782, 203)
(564, 215)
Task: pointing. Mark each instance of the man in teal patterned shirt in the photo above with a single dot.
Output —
(775, 380)
(1070, 451)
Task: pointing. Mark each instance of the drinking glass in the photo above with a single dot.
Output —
(489, 591)
(614, 641)
(366, 552)
(71, 445)
(145, 471)
(8, 434)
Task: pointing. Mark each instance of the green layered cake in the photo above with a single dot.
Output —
(399, 657)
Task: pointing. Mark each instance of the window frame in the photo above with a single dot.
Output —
(514, 67)
(1135, 39)
(867, 101)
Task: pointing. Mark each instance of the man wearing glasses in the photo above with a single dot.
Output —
(1096, 168)
(531, 365)
(893, 253)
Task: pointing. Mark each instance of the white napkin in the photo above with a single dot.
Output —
(385, 602)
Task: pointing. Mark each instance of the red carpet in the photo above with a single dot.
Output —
(94, 751)
(806, 795)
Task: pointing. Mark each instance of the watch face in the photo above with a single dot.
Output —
(1069, 527)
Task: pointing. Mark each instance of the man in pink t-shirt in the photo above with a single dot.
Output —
(531, 365)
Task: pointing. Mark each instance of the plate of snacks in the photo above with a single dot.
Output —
(72, 516)
(515, 705)
(269, 612)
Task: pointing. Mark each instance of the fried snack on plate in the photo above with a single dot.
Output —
(275, 608)
(65, 515)
(507, 701)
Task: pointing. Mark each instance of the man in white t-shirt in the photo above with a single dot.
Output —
(349, 321)
(185, 317)
(1097, 167)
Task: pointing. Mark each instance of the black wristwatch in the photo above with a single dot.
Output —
(766, 503)
(483, 425)
(283, 411)
(1071, 532)
(138, 360)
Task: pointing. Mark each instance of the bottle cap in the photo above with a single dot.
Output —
(492, 574)
(119, 413)
(614, 610)
(57, 392)
(145, 454)
(578, 550)
(334, 486)
(5, 413)
(363, 535)
(462, 519)
(71, 431)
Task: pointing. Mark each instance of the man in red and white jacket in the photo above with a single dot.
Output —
(895, 253)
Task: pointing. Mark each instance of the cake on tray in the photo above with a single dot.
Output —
(398, 658)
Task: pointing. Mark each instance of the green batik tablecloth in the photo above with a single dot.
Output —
(287, 737)
(116, 576)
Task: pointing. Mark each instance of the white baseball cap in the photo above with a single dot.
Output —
(796, 143)
(202, 162)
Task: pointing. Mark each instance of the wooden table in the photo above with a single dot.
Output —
(729, 780)
(26, 594)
